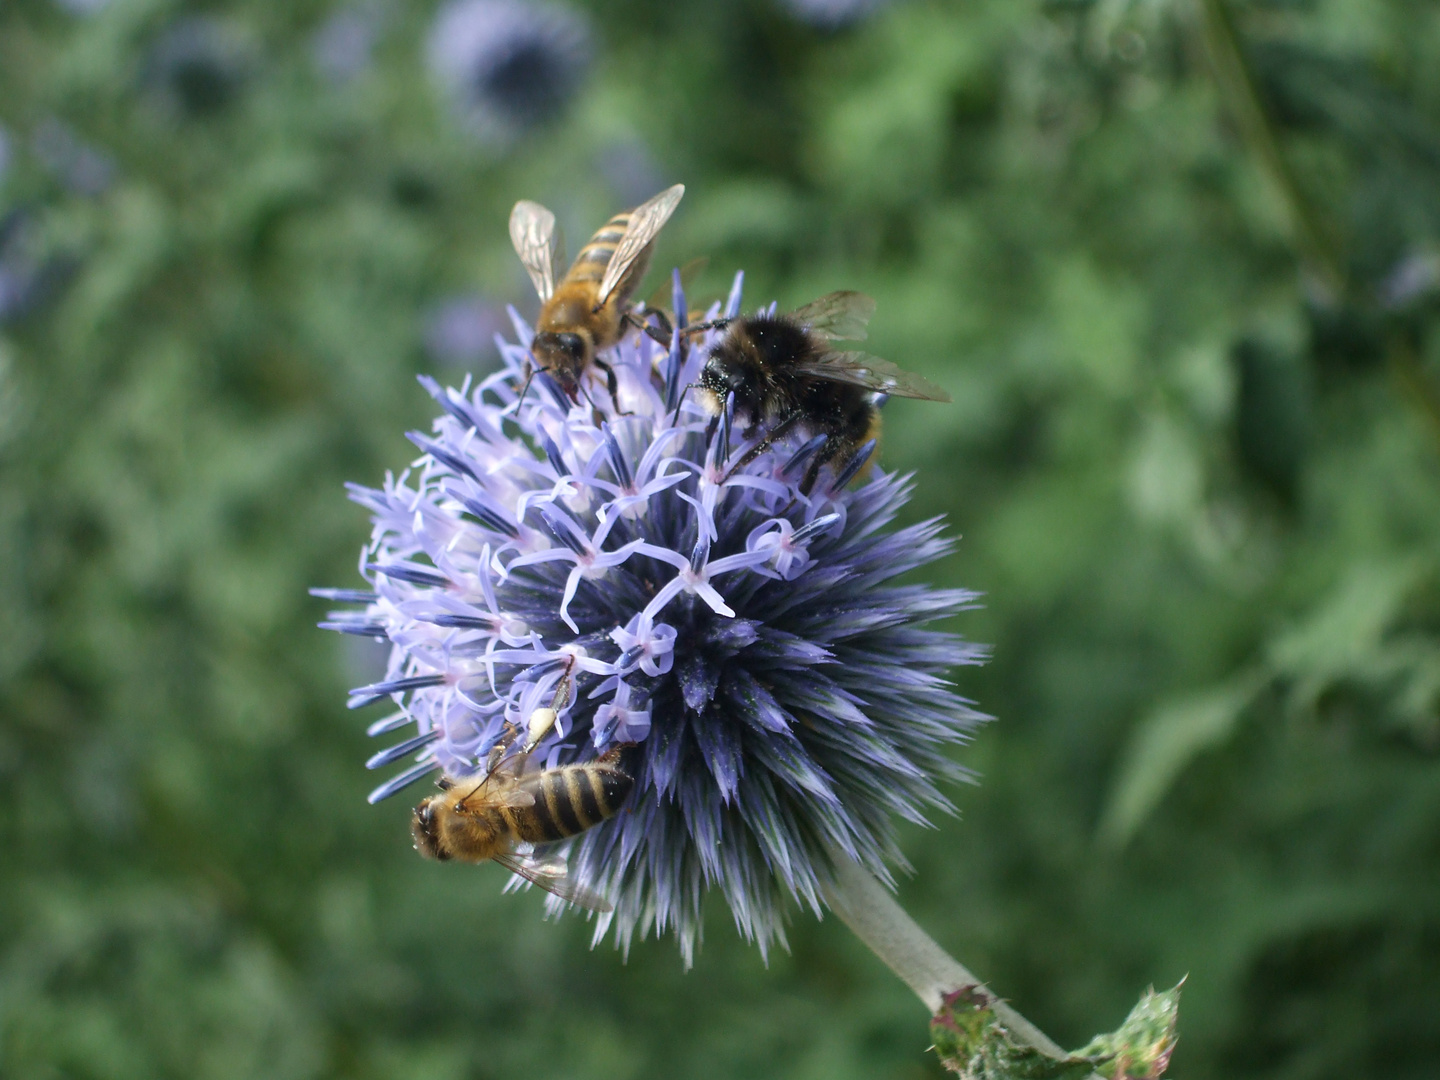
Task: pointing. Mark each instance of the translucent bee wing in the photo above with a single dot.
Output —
(532, 231)
(514, 798)
(838, 316)
(862, 369)
(660, 298)
(552, 876)
(645, 221)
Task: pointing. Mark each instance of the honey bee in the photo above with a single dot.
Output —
(587, 311)
(490, 818)
(786, 376)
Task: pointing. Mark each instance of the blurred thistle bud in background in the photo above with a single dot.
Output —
(197, 66)
(508, 66)
(780, 698)
(29, 275)
(832, 14)
(78, 167)
(460, 331)
(82, 7)
(343, 45)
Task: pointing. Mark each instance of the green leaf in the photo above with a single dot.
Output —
(1163, 744)
(1343, 637)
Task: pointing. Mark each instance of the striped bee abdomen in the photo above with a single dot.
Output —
(571, 799)
(594, 257)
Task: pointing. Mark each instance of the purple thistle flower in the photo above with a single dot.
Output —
(784, 697)
(508, 66)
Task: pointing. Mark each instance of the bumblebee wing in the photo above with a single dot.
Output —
(645, 221)
(862, 369)
(838, 316)
(532, 231)
(551, 875)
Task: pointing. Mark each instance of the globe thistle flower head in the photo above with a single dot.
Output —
(508, 66)
(779, 698)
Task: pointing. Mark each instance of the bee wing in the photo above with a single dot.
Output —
(862, 369)
(532, 231)
(838, 316)
(645, 221)
(552, 876)
(661, 297)
(514, 798)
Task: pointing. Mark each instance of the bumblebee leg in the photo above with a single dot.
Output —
(700, 328)
(810, 476)
(828, 452)
(764, 444)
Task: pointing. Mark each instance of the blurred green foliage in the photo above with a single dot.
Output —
(1195, 455)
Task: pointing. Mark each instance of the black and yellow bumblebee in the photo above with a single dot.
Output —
(787, 376)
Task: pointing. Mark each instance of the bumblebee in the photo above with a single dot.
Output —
(588, 310)
(787, 376)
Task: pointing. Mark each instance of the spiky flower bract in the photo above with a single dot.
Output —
(785, 699)
(508, 66)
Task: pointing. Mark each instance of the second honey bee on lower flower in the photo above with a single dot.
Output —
(511, 808)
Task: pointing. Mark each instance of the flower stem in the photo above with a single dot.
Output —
(867, 907)
(1237, 87)
(1319, 254)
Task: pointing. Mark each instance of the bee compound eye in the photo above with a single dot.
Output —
(571, 344)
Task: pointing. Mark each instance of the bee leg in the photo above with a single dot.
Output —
(612, 385)
(764, 444)
(665, 325)
(713, 324)
(662, 336)
(816, 464)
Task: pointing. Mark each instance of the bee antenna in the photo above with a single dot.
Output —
(530, 370)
